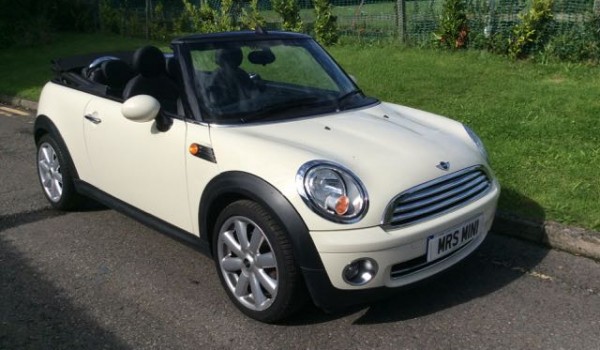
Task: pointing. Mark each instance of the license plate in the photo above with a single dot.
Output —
(446, 242)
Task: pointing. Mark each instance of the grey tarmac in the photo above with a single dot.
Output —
(96, 279)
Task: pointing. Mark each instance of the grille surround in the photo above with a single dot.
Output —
(437, 197)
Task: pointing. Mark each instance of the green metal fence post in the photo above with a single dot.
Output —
(401, 19)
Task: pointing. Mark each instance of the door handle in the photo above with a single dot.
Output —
(93, 119)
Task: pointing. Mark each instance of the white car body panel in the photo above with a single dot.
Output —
(138, 164)
(65, 107)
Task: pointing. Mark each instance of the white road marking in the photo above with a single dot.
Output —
(7, 111)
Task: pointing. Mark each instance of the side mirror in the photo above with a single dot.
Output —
(353, 78)
(141, 108)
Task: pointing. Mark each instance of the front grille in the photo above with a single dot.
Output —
(438, 196)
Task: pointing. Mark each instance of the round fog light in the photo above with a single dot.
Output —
(360, 271)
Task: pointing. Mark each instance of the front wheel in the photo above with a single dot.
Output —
(255, 263)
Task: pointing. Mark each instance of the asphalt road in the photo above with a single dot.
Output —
(97, 279)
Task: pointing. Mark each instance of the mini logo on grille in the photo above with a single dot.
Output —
(443, 166)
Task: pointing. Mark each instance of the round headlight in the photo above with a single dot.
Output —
(477, 141)
(332, 191)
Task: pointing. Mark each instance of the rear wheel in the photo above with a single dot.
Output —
(55, 175)
(255, 263)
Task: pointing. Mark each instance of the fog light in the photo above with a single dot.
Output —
(360, 271)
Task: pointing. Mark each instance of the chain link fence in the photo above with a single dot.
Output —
(410, 20)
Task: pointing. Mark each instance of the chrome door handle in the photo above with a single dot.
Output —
(93, 119)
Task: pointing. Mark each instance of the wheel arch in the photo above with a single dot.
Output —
(44, 125)
(232, 186)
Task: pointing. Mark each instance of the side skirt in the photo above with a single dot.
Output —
(149, 220)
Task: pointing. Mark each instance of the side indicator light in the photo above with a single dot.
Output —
(194, 149)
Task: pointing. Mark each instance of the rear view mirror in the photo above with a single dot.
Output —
(141, 108)
(263, 57)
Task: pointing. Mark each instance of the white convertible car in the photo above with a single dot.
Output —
(259, 148)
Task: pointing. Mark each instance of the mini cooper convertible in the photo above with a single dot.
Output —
(258, 147)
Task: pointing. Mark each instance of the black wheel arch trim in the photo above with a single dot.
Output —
(43, 125)
(229, 186)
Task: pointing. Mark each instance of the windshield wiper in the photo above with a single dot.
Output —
(270, 111)
(345, 96)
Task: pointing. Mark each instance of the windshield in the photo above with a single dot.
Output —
(257, 80)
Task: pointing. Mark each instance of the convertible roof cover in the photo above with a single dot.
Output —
(66, 64)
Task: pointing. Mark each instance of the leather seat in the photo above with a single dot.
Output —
(116, 74)
(151, 79)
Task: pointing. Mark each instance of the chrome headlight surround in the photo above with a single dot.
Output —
(332, 191)
(477, 141)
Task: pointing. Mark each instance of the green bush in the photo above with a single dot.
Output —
(111, 18)
(205, 19)
(580, 44)
(158, 25)
(325, 26)
(252, 18)
(289, 11)
(31, 22)
(533, 31)
(453, 30)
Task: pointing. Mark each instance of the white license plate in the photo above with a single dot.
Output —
(446, 242)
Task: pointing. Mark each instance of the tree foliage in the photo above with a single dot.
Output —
(289, 11)
(533, 30)
(453, 30)
(325, 23)
(252, 18)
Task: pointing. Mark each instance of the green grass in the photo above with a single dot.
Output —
(540, 123)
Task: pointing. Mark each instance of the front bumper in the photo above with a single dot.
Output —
(405, 248)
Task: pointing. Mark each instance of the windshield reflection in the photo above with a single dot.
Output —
(243, 82)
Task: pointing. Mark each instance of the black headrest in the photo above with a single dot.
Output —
(116, 73)
(231, 57)
(149, 61)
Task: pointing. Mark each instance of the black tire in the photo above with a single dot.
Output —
(255, 261)
(67, 197)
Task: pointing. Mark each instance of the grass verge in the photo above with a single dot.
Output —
(540, 123)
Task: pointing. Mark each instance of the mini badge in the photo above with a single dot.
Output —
(443, 166)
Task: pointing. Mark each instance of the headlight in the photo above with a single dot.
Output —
(332, 191)
(477, 141)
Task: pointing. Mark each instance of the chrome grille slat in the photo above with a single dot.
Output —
(437, 187)
(455, 190)
(438, 196)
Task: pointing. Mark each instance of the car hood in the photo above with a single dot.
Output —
(391, 148)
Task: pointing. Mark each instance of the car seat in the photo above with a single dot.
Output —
(151, 79)
(116, 75)
(230, 83)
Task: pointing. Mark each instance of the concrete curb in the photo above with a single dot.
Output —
(574, 240)
(19, 102)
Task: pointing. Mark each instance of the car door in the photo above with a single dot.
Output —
(136, 163)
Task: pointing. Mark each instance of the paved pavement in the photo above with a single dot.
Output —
(97, 279)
